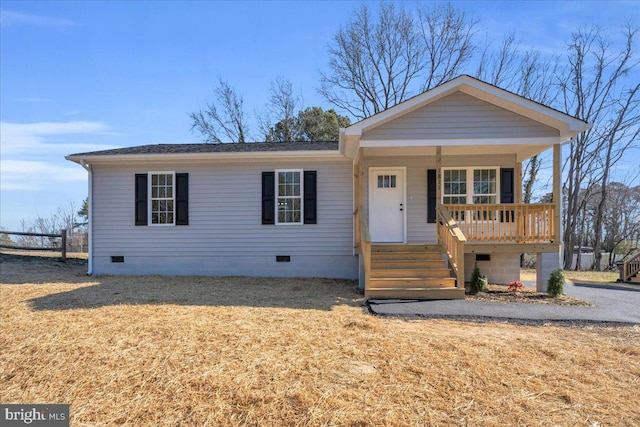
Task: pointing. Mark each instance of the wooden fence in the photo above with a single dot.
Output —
(62, 236)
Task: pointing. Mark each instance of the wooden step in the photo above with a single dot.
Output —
(405, 248)
(415, 293)
(411, 282)
(410, 272)
(634, 279)
(408, 263)
(379, 256)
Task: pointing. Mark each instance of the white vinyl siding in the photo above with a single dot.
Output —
(459, 116)
(225, 234)
(418, 230)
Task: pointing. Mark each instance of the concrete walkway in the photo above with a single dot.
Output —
(611, 303)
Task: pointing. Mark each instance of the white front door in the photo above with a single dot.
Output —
(387, 207)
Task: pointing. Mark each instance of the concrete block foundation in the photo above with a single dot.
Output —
(545, 263)
(501, 269)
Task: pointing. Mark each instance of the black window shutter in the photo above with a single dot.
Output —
(507, 194)
(310, 197)
(182, 199)
(431, 195)
(141, 199)
(268, 198)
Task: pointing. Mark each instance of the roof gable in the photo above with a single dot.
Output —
(459, 116)
(566, 125)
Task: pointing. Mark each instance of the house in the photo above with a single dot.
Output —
(407, 201)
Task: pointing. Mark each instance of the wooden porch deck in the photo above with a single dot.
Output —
(437, 271)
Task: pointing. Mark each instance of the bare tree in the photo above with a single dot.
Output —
(224, 119)
(621, 132)
(448, 38)
(531, 169)
(528, 74)
(373, 61)
(621, 222)
(279, 123)
(494, 62)
(65, 218)
(594, 90)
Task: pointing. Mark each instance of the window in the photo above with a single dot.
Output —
(162, 198)
(289, 196)
(484, 186)
(456, 191)
(289, 190)
(386, 181)
(455, 187)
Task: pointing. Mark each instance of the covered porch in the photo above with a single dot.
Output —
(442, 172)
(457, 232)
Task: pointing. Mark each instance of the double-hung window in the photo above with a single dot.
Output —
(289, 191)
(469, 186)
(161, 208)
(454, 187)
(477, 186)
(161, 198)
(289, 197)
(485, 186)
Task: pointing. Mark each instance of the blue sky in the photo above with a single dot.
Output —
(79, 76)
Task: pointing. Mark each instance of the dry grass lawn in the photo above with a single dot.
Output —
(195, 351)
(592, 277)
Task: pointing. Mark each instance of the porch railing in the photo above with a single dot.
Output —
(451, 238)
(363, 242)
(521, 223)
(629, 268)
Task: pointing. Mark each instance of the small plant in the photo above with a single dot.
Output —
(556, 283)
(477, 281)
(516, 286)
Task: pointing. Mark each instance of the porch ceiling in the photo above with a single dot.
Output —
(521, 151)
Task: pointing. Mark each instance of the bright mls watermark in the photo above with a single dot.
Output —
(34, 415)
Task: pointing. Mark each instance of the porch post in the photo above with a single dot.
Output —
(361, 185)
(438, 183)
(356, 210)
(557, 198)
(547, 262)
(518, 183)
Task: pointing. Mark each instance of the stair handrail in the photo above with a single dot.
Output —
(364, 243)
(452, 239)
(630, 267)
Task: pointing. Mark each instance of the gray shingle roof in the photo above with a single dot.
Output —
(216, 148)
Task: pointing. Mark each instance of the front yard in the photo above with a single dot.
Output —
(166, 351)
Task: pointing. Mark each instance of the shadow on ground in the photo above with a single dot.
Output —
(314, 294)
(56, 277)
(23, 269)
